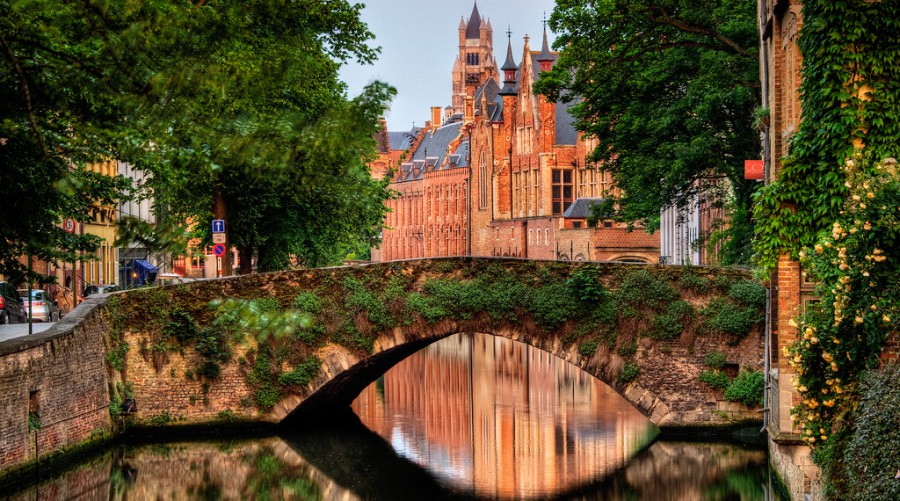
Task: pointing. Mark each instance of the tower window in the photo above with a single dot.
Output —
(472, 59)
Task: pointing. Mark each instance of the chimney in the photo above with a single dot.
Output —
(436, 116)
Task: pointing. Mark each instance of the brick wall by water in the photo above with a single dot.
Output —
(59, 378)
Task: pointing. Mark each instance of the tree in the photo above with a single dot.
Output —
(668, 88)
(244, 93)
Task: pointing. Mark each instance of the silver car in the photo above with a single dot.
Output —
(43, 307)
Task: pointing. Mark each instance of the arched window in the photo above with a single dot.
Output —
(482, 183)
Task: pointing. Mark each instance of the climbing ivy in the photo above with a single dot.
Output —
(857, 263)
(850, 96)
(835, 203)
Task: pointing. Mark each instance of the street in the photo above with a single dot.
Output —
(17, 330)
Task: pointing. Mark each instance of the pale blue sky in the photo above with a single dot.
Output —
(419, 42)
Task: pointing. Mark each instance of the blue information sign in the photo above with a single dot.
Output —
(218, 226)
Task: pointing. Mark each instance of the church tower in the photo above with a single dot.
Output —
(475, 62)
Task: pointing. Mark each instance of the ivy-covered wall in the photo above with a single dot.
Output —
(831, 213)
(255, 347)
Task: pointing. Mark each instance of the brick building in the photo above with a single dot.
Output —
(496, 174)
(781, 21)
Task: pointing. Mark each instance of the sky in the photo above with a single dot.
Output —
(419, 43)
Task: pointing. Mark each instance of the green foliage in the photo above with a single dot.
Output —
(863, 463)
(747, 388)
(237, 99)
(628, 374)
(670, 323)
(748, 293)
(308, 302)
(116, 346)
(227, 416)
(361, 299)
(642, 289)
(693, 283)
(844, 334)
(670, 99)
(302, 374)
(716, 379)
(552, 305)
(588, 348)
(585, 285)
(162, 419)
(848, 96)
(628, 350)
(180, 326)
(426, 307)
(34, 421)
(715, 360)
(262, 318)
(731, 319)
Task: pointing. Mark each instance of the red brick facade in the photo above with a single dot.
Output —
(496, 177)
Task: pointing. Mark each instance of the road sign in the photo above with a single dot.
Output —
(69, 225)
(218, 238)
(218, 226)
(219, 249)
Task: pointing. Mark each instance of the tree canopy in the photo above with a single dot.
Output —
(237, 97)
(669, 89)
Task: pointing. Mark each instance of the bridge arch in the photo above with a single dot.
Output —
(357, 344)
(350, 375)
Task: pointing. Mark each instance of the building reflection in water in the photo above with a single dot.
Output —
(502, 419)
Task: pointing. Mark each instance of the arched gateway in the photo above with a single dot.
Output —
(647, 331)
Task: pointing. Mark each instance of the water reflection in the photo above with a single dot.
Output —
(502, 419)
(470, 418)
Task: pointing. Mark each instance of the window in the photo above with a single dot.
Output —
(576, 224)
(472, 59)
(482, 183)
(561, 191)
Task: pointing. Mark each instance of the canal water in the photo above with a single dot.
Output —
(469, 417)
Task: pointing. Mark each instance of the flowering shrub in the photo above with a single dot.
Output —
(856, 265)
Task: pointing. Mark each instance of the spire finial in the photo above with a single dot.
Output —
(509, 31)
(545, 20)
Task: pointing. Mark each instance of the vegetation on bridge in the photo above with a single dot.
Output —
(286, 317)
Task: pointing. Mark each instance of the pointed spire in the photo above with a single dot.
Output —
(509, 69)
(545, 54)
(462, 23)
(473, 28)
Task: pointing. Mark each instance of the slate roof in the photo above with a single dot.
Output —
(566, 134)
(435, 143)
(402, 140)
(581, 208)
(460, 158)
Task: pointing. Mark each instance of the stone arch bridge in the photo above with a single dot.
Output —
(294, 345)
(279, 347)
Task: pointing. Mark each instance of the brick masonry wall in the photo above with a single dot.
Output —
(61, 375)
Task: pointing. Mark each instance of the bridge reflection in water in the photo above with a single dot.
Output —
(470, 417)
(502, 419)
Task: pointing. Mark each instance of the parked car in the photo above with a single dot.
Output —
(11, 309)
(90, 290)
(172, 278)
(43, 307)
